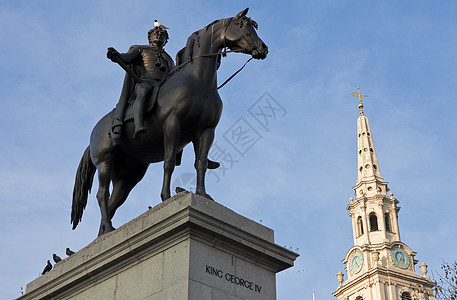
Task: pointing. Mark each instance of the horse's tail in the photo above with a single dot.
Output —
(83, 185)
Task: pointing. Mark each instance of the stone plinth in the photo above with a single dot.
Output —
(187, 247)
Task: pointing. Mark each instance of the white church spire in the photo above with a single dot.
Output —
(379, 266)
(376, 220)
(369, 179)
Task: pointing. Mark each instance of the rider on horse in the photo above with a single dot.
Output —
(149, 66)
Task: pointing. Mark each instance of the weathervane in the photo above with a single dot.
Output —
(360, 99)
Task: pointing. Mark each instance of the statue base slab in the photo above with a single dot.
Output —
(187, 247)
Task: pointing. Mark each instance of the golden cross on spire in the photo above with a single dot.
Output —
(360, 99)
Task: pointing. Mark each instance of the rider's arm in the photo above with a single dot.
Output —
(131, 55)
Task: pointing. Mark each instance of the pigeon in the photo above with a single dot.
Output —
(69, 252)
(56, 258)
(149, 207)
(22, 291)
(157, 24)
(179, 190)
(47, 268)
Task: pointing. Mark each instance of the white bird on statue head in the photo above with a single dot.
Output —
(157, 24)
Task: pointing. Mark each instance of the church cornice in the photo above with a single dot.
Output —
(380, 274)
(415, 280)
(364, 200)
(369, 180)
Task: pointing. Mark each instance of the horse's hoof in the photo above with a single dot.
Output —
(105, 229)
(203, 194)
(165, 196)
(212, 165)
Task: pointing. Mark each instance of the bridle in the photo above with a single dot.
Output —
(236, 22)
(223, 53)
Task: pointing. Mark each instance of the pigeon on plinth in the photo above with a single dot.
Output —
(47, 268)
(69, 252)
(56, 258)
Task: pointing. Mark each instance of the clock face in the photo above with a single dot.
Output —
(356, 262)
(400, 258)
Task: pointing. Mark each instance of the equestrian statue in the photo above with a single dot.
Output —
(161, 112)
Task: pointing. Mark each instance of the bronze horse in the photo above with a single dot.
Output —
(187, 110)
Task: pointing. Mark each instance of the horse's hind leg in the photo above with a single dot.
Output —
(104, 177)
(123, 185)
(201, 147)
(171, 130)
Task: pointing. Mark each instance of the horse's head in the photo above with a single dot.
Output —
(240, 34)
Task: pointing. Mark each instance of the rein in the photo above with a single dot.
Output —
(234, 74)
(224, 53)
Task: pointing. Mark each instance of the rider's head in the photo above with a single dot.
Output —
(157, 37)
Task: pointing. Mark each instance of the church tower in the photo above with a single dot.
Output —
(379, 265)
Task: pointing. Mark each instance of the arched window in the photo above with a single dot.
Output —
(373, 222)
(359, 298)
(387, 221)
(406, 296)
(359, 226)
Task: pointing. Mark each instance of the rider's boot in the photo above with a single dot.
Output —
(138, 117)
(138, 131)
(143, 90)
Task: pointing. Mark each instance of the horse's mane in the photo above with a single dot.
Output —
(194, 38)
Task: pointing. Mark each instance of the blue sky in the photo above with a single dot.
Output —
(297, 177)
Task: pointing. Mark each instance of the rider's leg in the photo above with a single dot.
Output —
(143, 91)
(118, 118)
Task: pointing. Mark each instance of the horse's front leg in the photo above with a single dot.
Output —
(201, 148)
(172, 131)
